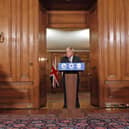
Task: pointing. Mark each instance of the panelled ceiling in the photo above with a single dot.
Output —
(67, 4)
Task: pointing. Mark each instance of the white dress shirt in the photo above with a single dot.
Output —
(71, 58)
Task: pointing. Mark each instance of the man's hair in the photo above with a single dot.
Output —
(70, 49)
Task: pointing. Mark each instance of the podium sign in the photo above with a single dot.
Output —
(71, 66)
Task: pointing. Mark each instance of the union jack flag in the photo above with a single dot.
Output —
(54, 76)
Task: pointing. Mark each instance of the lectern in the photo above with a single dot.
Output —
(70, 71)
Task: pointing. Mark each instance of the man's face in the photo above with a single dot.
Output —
(69, 52)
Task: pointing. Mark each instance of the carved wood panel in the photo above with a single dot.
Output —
(17, 24)
(124, 6)
(7, 48)
(19, 54)
(113, 50)
(110, 41)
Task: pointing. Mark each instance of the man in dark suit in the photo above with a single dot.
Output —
(70, 57)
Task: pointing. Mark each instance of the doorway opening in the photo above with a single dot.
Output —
(64, 28)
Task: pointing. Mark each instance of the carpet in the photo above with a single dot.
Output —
(50, 121)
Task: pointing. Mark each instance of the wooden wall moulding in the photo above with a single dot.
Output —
(67, 19)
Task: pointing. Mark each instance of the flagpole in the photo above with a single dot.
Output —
(55, 68)
(55, 61)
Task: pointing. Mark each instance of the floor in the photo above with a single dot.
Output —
(55, 104)
(56, 100)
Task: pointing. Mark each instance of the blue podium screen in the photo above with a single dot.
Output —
(71, 66)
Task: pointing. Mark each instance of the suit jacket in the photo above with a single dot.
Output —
(65, 59)
(76, 59)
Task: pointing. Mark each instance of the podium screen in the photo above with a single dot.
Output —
(71, 66)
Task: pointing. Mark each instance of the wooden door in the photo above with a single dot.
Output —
(25, 43)
(111, 43)
(19, 54)
(113, 52)
(7, 47)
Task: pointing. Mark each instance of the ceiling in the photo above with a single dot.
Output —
(67, 4)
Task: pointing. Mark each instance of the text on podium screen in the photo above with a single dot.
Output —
(71, 66)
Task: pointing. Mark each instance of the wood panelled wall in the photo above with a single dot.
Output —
(20, 51)
(61, 19)
(55, 57)
(113, 18)
(19, 54)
